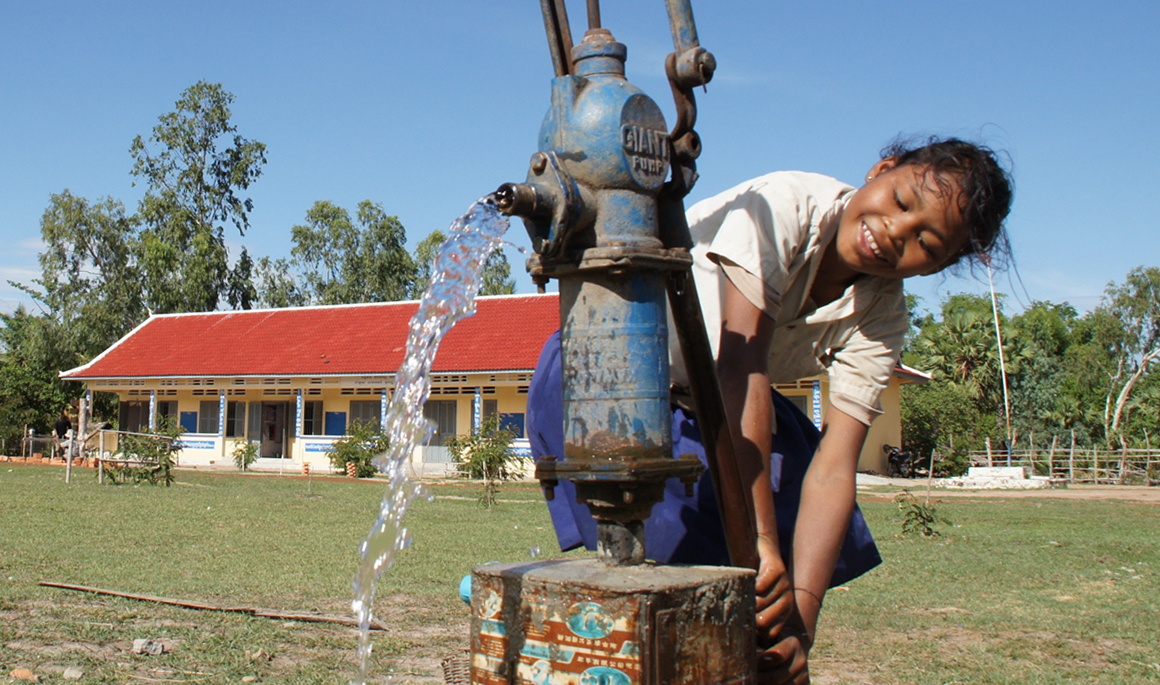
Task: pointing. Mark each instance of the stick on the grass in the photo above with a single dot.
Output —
(201, 606)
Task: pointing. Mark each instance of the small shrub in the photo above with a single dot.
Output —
(363, 442)
(245, 453)
(952, 463)
(154, 451)
(918, 517)
(486, 455)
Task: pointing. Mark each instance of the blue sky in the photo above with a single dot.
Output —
(426, 106)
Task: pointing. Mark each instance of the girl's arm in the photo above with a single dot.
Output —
(742, 368)
(826, 505)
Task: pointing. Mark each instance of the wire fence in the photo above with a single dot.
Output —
(1065, 461)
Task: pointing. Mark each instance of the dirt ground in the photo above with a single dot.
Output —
(877, 487)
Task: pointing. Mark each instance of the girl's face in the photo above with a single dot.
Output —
(901, 224)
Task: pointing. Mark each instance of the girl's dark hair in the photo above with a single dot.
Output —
(986, 188)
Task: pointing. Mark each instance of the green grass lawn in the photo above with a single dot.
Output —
(1013, 591)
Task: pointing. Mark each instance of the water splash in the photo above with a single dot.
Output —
(457, 276)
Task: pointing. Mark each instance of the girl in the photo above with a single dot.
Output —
(799, 274)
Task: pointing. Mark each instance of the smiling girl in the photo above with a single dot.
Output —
(799, 275)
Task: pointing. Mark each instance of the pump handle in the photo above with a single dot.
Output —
(559, 35)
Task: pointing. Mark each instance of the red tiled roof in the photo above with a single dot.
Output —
(505, 334)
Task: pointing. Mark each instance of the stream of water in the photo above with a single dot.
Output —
(456, 278)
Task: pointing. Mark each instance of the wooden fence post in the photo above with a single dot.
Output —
(1051, 457)
(1071, 459)
(1123, 458)
(990, 460)
(1147, 458)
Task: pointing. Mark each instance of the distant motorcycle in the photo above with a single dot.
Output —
(901, 464)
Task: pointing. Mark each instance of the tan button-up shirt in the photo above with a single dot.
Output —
(767, 236)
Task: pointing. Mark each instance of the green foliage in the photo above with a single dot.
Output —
(425, 254)
(486, 455)
(155, 452)
(31, 393)
(343, 261)
(962, 348)
(89, 285)
(245, 453)
(194, 178)
(276, 285)
(102, 271)
(362, 443)
(919, 517)
(496, 274)
(943, 416)
(1136, 305)
(1092, 376)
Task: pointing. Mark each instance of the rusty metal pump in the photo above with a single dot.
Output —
(603, 202)
(592, 203)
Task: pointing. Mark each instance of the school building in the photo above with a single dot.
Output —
(292, 380)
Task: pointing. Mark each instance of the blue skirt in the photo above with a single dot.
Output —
(682, 529)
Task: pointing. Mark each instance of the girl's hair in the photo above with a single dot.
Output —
(986, 188)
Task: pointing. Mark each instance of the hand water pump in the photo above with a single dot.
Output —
(603, 204)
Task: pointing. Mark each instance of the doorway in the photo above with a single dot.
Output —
(271, 429)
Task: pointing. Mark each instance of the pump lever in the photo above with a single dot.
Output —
(559, 35)
(694, 65)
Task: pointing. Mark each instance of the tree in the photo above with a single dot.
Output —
(102, 271)
(942, 415)
(961, 353)
(31, 393)
(364, 441)
(342, 262)
(89, 285)
(89, 292)
(962, 348)
(425, 254)
(193, 185)
(276, 285)
(154, 452)
(486, 455)
(1040, 397)
(1126, 328)
(497, 274)
(497, 271)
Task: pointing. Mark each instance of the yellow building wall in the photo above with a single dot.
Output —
(886, 429)
(508, 390)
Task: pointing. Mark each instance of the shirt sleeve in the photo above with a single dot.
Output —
(861, 368)
(762, 231)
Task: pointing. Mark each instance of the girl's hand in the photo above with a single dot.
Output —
(786, 662)
(775, 600)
